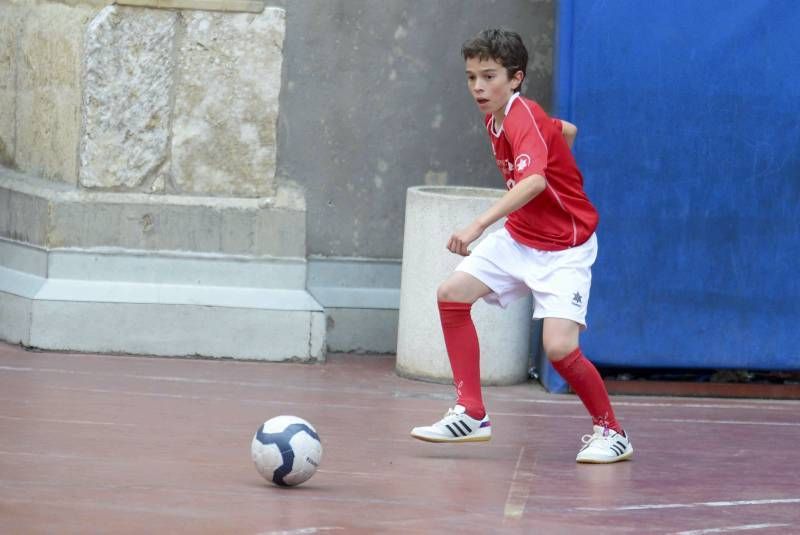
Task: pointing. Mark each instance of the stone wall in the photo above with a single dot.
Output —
(139, 208)
(46, 88)
(138, 99)
(8, 84)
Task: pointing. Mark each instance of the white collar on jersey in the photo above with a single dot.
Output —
(511, 100)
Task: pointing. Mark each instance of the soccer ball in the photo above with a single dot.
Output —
(286, 450)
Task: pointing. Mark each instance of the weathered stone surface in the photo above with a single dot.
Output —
(49, 58)
(9, 29)
(24, 216)
(253, 6)
(94, 3)
(167, 226)
(129, 76)
(226, 104)
(48, 214)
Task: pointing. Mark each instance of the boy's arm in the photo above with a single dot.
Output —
(515, 198)
(570, 131)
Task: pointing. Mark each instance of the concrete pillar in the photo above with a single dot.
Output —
(433, 213)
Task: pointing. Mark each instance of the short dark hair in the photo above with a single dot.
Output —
(503, 46)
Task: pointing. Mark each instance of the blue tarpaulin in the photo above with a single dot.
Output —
(689, 142)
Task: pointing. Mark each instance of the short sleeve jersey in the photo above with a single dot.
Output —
(528, 143)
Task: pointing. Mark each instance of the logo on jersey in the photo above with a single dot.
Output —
(577, 299)
(510, 183)
(522, 162)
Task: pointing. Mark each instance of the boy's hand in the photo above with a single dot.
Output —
(461, 239)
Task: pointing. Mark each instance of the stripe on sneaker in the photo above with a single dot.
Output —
(466, 426)
(451, 430)
(458, 425)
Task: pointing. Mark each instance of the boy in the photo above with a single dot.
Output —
(547, 246)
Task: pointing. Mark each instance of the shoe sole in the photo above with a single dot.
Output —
(624, 457)
(452, 440)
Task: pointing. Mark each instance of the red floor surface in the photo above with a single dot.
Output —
(122, 444)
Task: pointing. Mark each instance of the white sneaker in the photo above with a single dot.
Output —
(604, 446)
(456, 426)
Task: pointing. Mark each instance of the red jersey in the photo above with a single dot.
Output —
(531, 143)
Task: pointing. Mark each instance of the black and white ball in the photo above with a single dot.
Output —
(286, 450)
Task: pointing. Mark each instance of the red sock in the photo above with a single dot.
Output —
(584, 379)
(461, 341)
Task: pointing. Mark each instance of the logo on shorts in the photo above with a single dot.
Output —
(522, 162)
(577, 299)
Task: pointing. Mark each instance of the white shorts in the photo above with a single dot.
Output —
(560, 280)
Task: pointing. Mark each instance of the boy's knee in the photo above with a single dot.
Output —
(451, 293)
(558, 348)
(446, 292)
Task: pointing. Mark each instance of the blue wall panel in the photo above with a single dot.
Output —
(689, 118)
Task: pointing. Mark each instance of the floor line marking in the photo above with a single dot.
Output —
(727, 422)
(643, 507)
(745, 527)
(302, 531)
(189, 380)
(56, 421)
(520, 488)
(773, 404)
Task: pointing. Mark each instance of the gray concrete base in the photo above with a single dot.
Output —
(232, 270)
(178, 330)
(361, 298)
(361, 330)
(158, 304)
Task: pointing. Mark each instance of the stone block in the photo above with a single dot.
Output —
(9, 30)
(128, 83)
(252, 6)
(54, 215)
(49, 63)
(226, 105)
(161, 225)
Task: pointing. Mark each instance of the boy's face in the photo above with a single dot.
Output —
(490, 85)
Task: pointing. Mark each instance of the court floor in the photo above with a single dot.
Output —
(123, 444)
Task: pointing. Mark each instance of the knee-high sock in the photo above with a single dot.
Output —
(585, 380)
(461, 341)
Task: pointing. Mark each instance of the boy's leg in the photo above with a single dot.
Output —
(456, 296)
(560, 340)
(484, 273)
(467, 421)
(608, 443)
